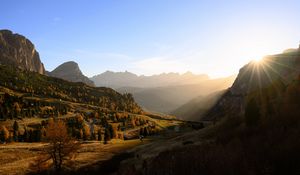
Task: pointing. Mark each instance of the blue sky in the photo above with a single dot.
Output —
(154, 36)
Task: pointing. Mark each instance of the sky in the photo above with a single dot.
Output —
(154, 36)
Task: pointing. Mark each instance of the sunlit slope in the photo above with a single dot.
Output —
(196, 108)
(277, 70)
(36, 85)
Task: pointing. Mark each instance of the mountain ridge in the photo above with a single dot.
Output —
(281, 68)
(127, 79)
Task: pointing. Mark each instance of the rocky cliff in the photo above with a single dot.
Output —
(70, 71)
(281, 68)
(18, 51)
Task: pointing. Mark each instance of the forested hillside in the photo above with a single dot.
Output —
(30, 84)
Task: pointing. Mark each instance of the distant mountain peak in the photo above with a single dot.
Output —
(70, 71)
(71, 63)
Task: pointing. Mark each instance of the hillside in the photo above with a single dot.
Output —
(196, 108)
(70, 71)
(258, 138)
(281, 68)
(167, 99)
(31, 84)
(18, 51)
(103, 121)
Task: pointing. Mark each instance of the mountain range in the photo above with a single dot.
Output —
(166, 99)
(165, 92)
(127, 79)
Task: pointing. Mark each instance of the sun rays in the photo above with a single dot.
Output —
(258, 60)
(261, 73)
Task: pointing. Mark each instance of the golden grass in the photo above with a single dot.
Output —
(16, 157)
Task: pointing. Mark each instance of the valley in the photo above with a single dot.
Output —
(149, 88)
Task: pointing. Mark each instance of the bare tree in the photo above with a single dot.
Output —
(61, 149)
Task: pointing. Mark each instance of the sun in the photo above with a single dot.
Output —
(258, 59)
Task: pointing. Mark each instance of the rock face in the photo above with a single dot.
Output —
(18, 51)
(70, 71)
(281, 68)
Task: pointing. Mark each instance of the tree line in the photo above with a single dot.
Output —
(93, 126)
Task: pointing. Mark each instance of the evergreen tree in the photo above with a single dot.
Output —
(26, 135)
(93, 136)
(99, 135)
(106, 135)
(16, 130)
(30, 135)
(146, 132)
(111, 131)
(141, 131)
(37, 135)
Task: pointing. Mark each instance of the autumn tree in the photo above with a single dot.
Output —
(86, 132)
(61, 149)
(79, 121)
(17, 109)
(114, 129)
(4, 134)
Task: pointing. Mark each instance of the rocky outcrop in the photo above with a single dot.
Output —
(70, 71)
(281, 68)
(18, 51)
